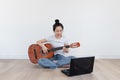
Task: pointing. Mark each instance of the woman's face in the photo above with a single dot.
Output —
(58, 31)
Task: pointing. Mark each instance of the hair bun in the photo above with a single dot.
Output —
(56, 21)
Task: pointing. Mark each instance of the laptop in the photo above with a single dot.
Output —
(78, 66)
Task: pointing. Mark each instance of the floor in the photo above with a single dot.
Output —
(22, 69)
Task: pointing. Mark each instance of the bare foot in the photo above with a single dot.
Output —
(55, 61)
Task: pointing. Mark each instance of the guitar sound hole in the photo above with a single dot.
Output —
(43, 54)
(35, 53)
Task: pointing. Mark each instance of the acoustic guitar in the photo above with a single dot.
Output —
(35, 51)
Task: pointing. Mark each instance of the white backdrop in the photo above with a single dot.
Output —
(94, 23)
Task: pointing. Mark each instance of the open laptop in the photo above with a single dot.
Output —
(78, 66)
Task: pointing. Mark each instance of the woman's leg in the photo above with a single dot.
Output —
(58, 57)
(62, 60)
(71, 57)
(46, 63)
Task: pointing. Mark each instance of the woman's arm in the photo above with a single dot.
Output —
(40, 42)
(44, 48)
(66, 50)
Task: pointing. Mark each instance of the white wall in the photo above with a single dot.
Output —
(95, 23)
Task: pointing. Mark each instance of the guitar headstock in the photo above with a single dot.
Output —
(75, 45)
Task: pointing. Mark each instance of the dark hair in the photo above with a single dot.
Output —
(57, 23)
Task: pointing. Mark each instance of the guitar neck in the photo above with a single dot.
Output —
(58, 48)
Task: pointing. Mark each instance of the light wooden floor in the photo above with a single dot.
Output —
(104, 69)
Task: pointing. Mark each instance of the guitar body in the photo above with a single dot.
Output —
(35, 52)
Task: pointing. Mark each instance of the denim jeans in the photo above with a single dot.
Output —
(61, 60)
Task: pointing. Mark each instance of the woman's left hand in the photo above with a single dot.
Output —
(65, 50)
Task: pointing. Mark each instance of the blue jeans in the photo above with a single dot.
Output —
(61, 60)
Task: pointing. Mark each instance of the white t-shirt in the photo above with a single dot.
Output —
(57, 43)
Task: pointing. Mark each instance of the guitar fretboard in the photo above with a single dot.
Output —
(58, 48)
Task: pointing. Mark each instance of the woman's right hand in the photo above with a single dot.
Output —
(45, 49)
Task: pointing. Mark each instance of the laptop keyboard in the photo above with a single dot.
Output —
(66, 71)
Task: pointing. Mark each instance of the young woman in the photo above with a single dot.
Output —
(57, 40)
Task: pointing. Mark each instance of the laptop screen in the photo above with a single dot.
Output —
(81, 65)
